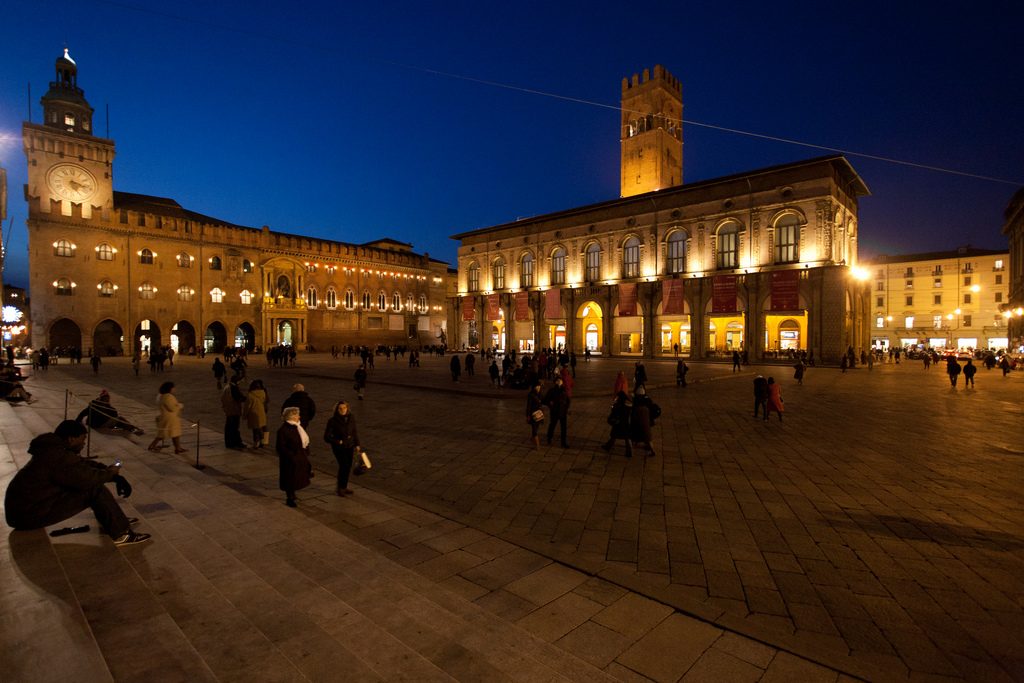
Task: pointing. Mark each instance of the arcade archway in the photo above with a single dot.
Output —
(183, 337)
(108, 339)
(245, 336)
(147, 336)
(285, 332)
(215, 338)
(65, 333)
(591, 324)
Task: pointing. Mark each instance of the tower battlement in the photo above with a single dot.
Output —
(661, 76)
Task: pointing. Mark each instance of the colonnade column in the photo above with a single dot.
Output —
(698, 323)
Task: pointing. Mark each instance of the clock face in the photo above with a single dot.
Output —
(71, 182)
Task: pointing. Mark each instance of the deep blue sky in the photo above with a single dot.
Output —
(322, 118)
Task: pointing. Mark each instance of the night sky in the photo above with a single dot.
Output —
(333, 119)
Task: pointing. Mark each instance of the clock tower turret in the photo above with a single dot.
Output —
(67, 164)
(652, 132)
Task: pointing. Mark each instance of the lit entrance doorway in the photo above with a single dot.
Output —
(591, 322)
(284, 332)
(629, 333)
(183, 337)
(108, 339)
(559, 337)
(245, 336)
(215, 338)
(65, 333)
(675, 332)
(147, 337)
(497, 340)
(725, 334)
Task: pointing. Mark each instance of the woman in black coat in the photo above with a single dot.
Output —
(533, 404)
(619, 420)
(344, 439)
(293, 456)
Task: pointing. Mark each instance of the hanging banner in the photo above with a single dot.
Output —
(522, 306)
(672, 297)
(493, 306)
(785, 290)
(469, 308)
(627, 299)
(723, 294)
(553, 304)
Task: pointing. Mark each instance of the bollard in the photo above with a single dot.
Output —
(198, 466)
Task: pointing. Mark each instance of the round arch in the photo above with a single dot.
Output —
(215, 338)
(108, 338)
(590, 318)
(66, 333)
(147, 336)
(245, 336)
(183, 337)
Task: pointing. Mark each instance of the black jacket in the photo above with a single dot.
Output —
(305, 404)
(41, 485)
(341, 431)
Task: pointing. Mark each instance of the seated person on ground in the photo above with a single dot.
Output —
(101, 414)
(57, 484)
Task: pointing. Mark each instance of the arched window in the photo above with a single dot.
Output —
(410, 303)
(558, 266)
(184, 260)
(396, 301)
(217, 295)
(105, 252)
(498, 274)
(473, 283)
(147, 291)
(311, 297)
(593, 269)
(246, 266)
(350, 299)
(631, 258)
(526, 270)
(106, 289)
(676, 261)
(382, 300)
(787, 239)
(366, 300)
(63, 248)
(146, 257)
(423, 303)
(63, 287)
(331, 298)
(186, 293)
(215, 263)
(728, 246)
(245, 296)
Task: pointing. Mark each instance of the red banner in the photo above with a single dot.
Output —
(469, 308)
(785, 290)
(522, 306)
(627, 299)
(553, 304)
(723, 294)
(672, 297)
(493, 307)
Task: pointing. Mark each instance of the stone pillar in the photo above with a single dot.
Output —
(694, 292)
(651, 340)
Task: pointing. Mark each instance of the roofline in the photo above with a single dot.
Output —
(860, 189)
(962, 252)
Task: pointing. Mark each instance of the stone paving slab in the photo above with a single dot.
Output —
(877, 528)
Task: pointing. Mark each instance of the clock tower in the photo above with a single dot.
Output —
(67, 165)
(652, 132)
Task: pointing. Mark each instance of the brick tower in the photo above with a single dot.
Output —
(652, 132)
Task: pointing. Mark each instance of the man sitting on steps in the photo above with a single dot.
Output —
(57, 484)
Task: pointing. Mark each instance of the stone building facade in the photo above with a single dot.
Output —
(1013, 311)
(948, 300)
(122, 272)
(762, 262)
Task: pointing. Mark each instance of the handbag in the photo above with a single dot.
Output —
(537, 415)
(364, 464)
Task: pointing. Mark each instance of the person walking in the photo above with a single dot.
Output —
(761, 396)
(136, 362)
(231, 401)
(620, 385)
(494, 373)
(798, 373)
(639, 375)
(775, 401)
(220, 372)
(572, 363)
(343, 437)
(292, 446)
(681, 369)
(735, 361)
(534, 413)
(641, 419)
(969, 370)
(619, 417)
(470, 364)
(557, 401)
(168, 420)
(255, 412)
(94, 361)
(456, 367)
(1004, 365)
(304, 402)
(360, 381)
(953, 369)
